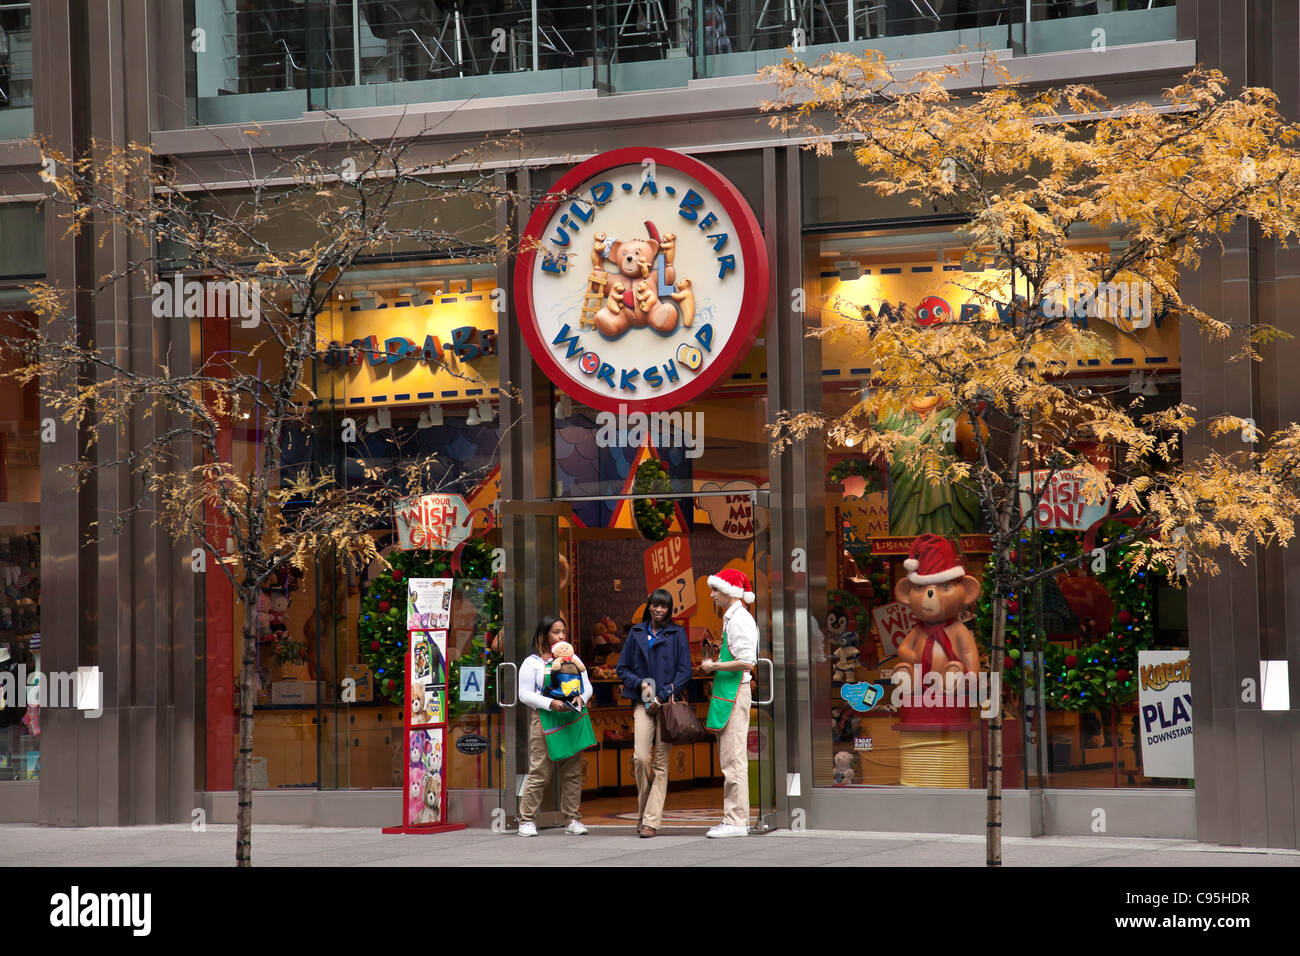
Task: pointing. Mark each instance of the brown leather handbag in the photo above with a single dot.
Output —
(679, 724)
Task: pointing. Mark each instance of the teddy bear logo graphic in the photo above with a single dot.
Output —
(645, 289)
(430, 800)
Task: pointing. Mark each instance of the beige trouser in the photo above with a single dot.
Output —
(733, 754)
(651, 769)
(539, 775)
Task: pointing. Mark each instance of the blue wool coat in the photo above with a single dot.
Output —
(667, 661)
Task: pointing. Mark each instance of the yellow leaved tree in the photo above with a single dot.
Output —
(157, 422)
(1030, 173)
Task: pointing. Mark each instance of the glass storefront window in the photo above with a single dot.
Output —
(279, 58)
(20, 427)
(325, 715)
(1072, 652)
(20, 652)
(15, 70)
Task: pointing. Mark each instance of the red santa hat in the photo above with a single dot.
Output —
(933, 560)
(733, 583)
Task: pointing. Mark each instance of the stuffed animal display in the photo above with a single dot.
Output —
(838, 630)
(846, 663)
(843, 774)
(564, 675)
(937, 589)
(425, 777)
(430, 800)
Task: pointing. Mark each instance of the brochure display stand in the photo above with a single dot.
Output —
(428, 617)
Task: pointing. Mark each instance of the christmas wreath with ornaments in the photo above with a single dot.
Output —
(1098, 676)
(382, 624)
(650, 516)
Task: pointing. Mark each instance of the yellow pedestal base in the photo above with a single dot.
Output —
(935, 759)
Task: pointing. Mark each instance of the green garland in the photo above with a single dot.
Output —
(1100, 675)
(858, 468)
(652, 517)
(382, 627)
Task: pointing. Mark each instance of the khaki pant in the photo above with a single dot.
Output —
(651, 768)
(539, 775)
(733, 754)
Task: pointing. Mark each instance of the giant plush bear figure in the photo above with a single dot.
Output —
(937, 589)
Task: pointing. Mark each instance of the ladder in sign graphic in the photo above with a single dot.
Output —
(594, 299)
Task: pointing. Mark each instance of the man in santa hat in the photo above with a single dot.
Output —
(729, 701)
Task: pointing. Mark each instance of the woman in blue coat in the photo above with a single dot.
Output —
(654, 665)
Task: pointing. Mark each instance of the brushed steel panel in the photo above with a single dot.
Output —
(1280, 783)
(1253, 805)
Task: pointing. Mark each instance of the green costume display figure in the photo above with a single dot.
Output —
(916, 504)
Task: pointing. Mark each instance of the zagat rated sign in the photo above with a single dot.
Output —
(643, 280)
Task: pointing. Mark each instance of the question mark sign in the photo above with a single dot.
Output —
(681, 593)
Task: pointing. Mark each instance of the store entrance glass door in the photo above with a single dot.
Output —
(595, 561)
(537, 582)
(764, 741)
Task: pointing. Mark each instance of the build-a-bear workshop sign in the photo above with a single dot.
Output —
(643, 281)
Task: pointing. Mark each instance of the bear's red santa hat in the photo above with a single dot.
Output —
(732, 583)
(932, 560)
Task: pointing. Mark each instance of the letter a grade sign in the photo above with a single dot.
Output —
(643, 280)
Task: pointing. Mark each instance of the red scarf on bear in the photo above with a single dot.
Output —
(933, 633)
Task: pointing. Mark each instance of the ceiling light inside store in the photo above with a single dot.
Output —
(472, 418)
(485, 412)
(564, 407)
(849, 269)
(435, 415)
(1149, 389)
(365, 298)
(417, 295)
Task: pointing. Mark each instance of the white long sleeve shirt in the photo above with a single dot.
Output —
(532, 674)
(742, 635)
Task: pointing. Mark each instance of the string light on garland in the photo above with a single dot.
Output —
(1089, 671)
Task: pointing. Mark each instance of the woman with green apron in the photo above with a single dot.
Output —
(729, 701)
(557, 734)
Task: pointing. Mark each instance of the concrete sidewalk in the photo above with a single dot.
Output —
(178, 845)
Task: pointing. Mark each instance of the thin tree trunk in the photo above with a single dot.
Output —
(244, 763)
(997, 652)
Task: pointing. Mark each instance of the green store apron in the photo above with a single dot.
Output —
(726, 685)
(566, 732)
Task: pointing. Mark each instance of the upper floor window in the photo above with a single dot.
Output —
(275, 59)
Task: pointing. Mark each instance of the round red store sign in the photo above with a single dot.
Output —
(643, 281)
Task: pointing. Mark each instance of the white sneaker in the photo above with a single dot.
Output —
(723, 830)
(528, 829)
(575, 827)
